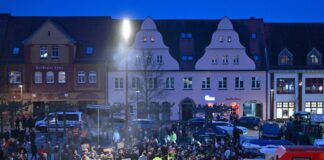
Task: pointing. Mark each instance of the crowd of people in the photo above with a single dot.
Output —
(175, 142)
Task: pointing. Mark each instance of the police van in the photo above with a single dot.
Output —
(55, 121)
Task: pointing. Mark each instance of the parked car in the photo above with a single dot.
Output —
(196, 123)
(250, 122)
(56, 120)
(229, 127)
(143, 123)
(270, 130)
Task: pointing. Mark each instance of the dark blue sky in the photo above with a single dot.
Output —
(270, 10)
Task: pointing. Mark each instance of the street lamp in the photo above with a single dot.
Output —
(126, 32)
(21, 88)
(137, 92)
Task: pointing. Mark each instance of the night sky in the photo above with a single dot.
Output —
(270, 10)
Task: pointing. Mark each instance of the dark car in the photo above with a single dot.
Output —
(196, 123)
(270, 130)
(250, 122)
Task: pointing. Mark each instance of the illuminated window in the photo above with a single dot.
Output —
(38, 78)
(92, 77)
(15, 50)
(50, 77)
(43, 51)
(285, 85)
(285, 109)
(144, 39)
(187, 83)
(61, 77)
(152, 39)
(221, 39)
(89, 50)
(314, 85)
(14, 77)
(229, 39)
(314, 107)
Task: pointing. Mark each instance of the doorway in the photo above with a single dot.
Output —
(187, 109)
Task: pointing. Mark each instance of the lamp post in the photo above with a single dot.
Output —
(126, 32)
(21, 89)
(137, 92)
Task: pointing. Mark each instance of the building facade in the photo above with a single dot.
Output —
(49, 63)
(223, 75)
(296, 70)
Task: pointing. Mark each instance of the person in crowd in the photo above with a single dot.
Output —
(57, 152)
(33, 151)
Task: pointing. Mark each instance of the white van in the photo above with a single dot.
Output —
(56, 120)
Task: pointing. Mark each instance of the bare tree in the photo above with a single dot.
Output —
(151, 89)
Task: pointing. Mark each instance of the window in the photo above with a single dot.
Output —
(255, 83)
(136, 83)
(285, 109)
(186, 35)
(50, 77)
(205, 83)
(225, 59)
(285, 86)
(183, 35)
(144, 39)
(152, 39)
(229, 39)
(187, 83)
(190, 58)
(137, 60)
(314, 107)
(314, 57)
(14, 77)
(314, 85)
(152, 83)
(213, 60)
(159, 59)
(236, 60)
(221, 39)
(222, 83)
(239, 84)
(148, 59)
(89, 50)
(92, 77)
(55, 52)
(119, 83)
(253, 35)
(169, 83)
(15, 50)
(81, 77)
(38, 78)
(285, 57)
(61, 77)
(43, 52)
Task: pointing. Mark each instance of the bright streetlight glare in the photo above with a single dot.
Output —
(126, 29)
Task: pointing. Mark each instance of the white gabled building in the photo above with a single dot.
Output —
(225, 73)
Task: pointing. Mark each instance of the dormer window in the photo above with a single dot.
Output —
(89, 50)
(221, 39)
(229, 39)
(144, 39)
(152, 39)
(15, 50)
(285, 57)
(314, 57)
